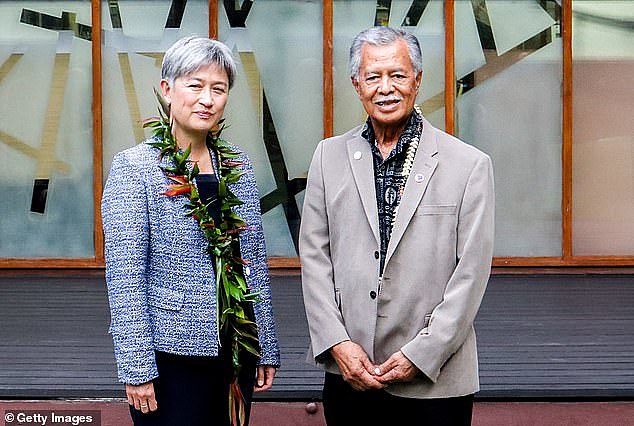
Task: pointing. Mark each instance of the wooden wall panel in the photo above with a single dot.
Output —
(327, 74)
(450, 78)
(566, 155)
(97, 130)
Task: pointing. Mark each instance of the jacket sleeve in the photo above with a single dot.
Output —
(452, 319)
(259, 272)
(325, 322)
(126, 229)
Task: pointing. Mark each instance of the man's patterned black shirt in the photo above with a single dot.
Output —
(388, 181)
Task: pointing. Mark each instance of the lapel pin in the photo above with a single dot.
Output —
(357, 155)
(419, 178)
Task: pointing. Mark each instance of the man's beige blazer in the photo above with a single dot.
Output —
(437, 265)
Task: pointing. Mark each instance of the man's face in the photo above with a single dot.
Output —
(387, 83)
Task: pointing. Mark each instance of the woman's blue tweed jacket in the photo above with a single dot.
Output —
(161, 283)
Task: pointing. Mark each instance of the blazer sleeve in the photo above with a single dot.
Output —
(263, 309)
(452, 319)
(325, 322)
(126, 229)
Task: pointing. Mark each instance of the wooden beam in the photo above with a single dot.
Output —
(52, 263)
(97, 151)
(511, 262)
(566, 154)
(213, 19)
(561, 261)
(620, 262)
(284, 262)
(450, 79)
(327, 68)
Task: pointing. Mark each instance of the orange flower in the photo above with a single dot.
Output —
(179, 179)
(177, 190)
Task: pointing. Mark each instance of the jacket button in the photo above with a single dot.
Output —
(376, 254)
(373, 294)
(247, 271)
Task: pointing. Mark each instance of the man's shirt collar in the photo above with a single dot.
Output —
(404, 139)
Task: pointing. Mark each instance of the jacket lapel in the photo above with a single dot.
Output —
(422, 171)
(360, 158)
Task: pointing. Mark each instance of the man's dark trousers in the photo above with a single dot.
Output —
(344, 406)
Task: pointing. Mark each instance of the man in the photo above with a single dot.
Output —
(396, 245)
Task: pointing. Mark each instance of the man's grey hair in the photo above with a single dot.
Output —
(189, 54)
(383, 36)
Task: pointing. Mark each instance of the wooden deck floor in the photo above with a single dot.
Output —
(540, 337)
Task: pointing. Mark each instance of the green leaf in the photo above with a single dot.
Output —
(222, 189)
(241, 283)
(249, 348)
(162, 102)
(233, 177)
(252, 297)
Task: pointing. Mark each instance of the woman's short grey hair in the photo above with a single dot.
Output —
(382, 36)
(190, 53)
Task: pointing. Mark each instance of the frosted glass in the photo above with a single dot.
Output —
(16, 33)
(276, 233)
(398, 11)
(430, 32)
(118, 128)
(349, 18)
(515, 117)
(603, 40)
(284, 65)
(131, 60)
(45, 133)
(469, 55)
(603, 129)
(39, 57)
(515, 21)
(245, 130)
(290, 63)
(299, 198)
(143, 19)
(603, 202)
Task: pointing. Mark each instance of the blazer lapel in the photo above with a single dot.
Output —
(422, 171)
(360, 158)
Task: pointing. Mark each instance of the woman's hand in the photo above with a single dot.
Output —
(142, 397)
(264, 380)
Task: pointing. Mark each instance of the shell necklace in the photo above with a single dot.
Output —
(407, 166)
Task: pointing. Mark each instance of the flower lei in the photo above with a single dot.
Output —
(408, 163)
(232, 293)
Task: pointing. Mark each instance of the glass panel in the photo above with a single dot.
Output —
(136, 33)
(603, 129)
(469, 55)
(510, 107)
(423, 18)
(46, 171)
(508, 32)
(275, 111)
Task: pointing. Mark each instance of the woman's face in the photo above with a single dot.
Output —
(197, 101)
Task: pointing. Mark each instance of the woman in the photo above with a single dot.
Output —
(174, 358)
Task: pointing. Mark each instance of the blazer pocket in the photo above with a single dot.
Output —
(165, 298)
(437, 209)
